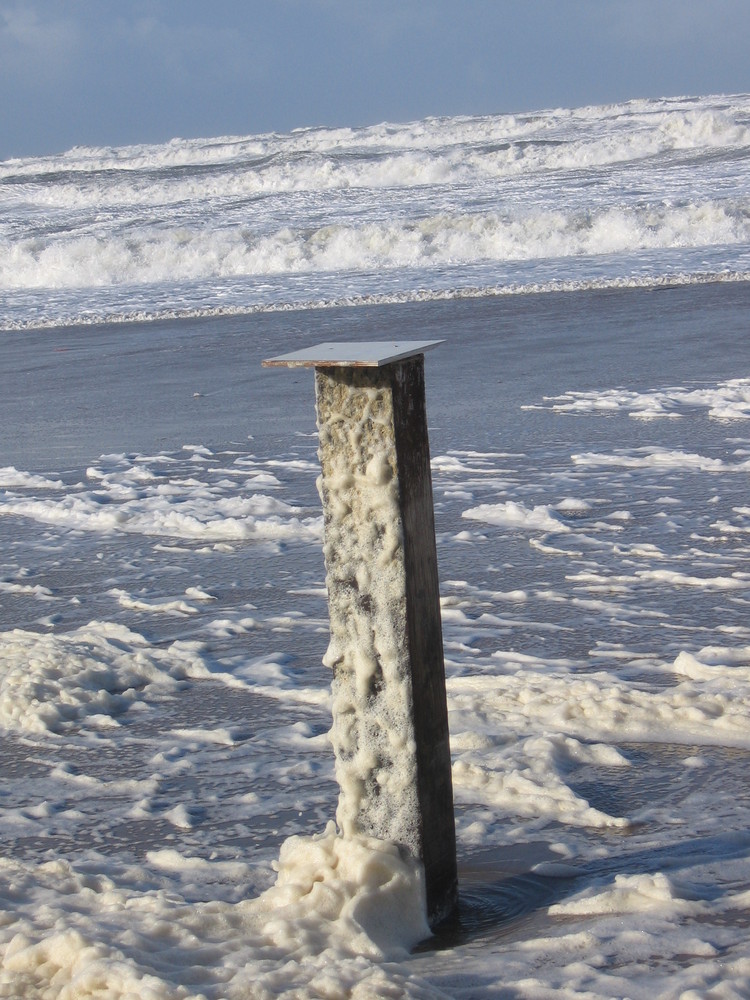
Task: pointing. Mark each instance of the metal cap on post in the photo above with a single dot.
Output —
(390, 717)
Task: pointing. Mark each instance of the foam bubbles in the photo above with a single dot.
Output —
(165, 719)
(132, 498)
(339, 910)
(92, 675)
(727, 401)
(515, 515)
(629, 894)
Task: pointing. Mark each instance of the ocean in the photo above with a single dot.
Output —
(169, 795)
(629, 194)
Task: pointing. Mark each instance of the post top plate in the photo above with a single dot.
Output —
(352, 354)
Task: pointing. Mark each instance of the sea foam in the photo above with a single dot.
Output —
(596, 197)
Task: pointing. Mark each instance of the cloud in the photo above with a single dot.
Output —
(669, 24)
(36, 49)
(39, 47)
(143, 70)
(184, 49)
(379, 22)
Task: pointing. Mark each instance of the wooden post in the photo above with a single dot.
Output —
(390, 718)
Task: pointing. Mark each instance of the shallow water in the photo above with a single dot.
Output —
(594, 585)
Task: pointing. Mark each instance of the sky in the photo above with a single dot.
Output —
(122, 72)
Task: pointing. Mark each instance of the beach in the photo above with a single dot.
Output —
(163, 619)
(69, 391)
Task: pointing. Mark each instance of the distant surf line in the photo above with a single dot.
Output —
(646, 282)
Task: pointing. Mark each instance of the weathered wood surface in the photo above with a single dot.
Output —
(425, 639)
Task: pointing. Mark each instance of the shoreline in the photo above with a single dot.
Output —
(419, 296)
(75, 393)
